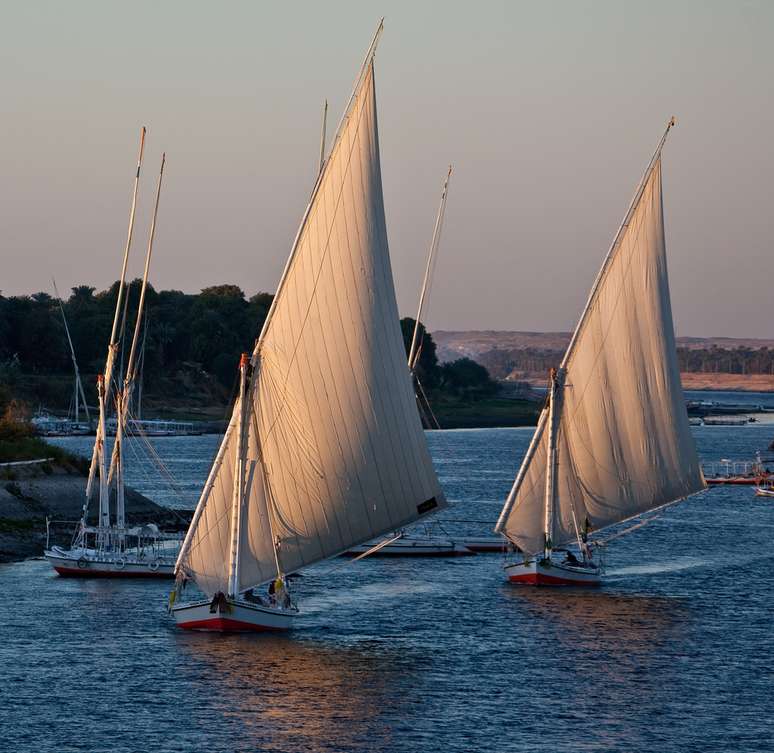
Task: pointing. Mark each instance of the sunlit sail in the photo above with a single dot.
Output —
(613, 441)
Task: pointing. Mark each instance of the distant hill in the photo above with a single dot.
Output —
(705, 362)
(471, 343)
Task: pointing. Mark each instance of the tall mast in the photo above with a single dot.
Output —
(113, 346)
(78, 383)
(413, 350)
(322, 136)
(557, 378)
(141, 369)
(122, 411)
(239, 477)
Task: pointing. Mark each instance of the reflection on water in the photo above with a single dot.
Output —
(289, 694)
(605, 645)
(416, 656)
(620, 625)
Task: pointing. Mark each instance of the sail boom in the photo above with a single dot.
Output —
(660, 508)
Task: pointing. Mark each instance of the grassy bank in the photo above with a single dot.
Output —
(484, 413)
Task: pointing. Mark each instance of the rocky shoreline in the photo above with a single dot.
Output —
(31, 493)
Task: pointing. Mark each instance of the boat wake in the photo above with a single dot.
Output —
(362, 595)
(655, 568)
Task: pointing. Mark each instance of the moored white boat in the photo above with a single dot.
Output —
(141, 551)
(91, 563)
(414, 546)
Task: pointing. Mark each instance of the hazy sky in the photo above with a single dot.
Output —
(549, 112)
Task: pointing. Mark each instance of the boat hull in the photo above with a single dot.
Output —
(409, 546)
(77, 565)
(538, 573)
(764, 492)
(235, 617)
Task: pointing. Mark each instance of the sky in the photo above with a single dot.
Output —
(549, 112)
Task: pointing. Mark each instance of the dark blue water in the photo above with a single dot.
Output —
(674, 653)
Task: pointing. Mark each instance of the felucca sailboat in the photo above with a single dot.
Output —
(111, 548)
(613, 441)
(324, 449)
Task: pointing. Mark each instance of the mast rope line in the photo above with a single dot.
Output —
(156, 459)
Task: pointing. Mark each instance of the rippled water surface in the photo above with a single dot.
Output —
(674, 653)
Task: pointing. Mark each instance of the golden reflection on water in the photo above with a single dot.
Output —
(289, 694)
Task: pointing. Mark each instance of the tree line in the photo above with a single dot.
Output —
(206, 330)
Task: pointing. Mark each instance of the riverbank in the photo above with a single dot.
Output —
(55, 489)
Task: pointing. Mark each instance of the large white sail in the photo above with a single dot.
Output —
(624, 444)
(335, 451)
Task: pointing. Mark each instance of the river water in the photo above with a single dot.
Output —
(674, 653)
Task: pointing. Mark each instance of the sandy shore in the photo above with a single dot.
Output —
(29, 494)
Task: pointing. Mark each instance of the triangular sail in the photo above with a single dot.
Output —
(624, 445)
(336, 454)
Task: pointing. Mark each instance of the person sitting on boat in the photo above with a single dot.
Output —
(219, 603)
(570, 558)
(281, 595)
(253, 597)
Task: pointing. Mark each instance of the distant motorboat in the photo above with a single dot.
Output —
(726, 420)
(155, 427)
(47, 425)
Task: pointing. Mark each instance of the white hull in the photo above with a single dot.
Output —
(409, 546)
(764, 491)
(87, 563)
(551, 573)
(233, 617)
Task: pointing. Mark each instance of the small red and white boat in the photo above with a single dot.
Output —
(91, 563)
(112, 552)
(227, 615)
(550, 572)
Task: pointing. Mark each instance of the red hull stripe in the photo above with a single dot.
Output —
(86, 573)
(539, 579)
(226, 625)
